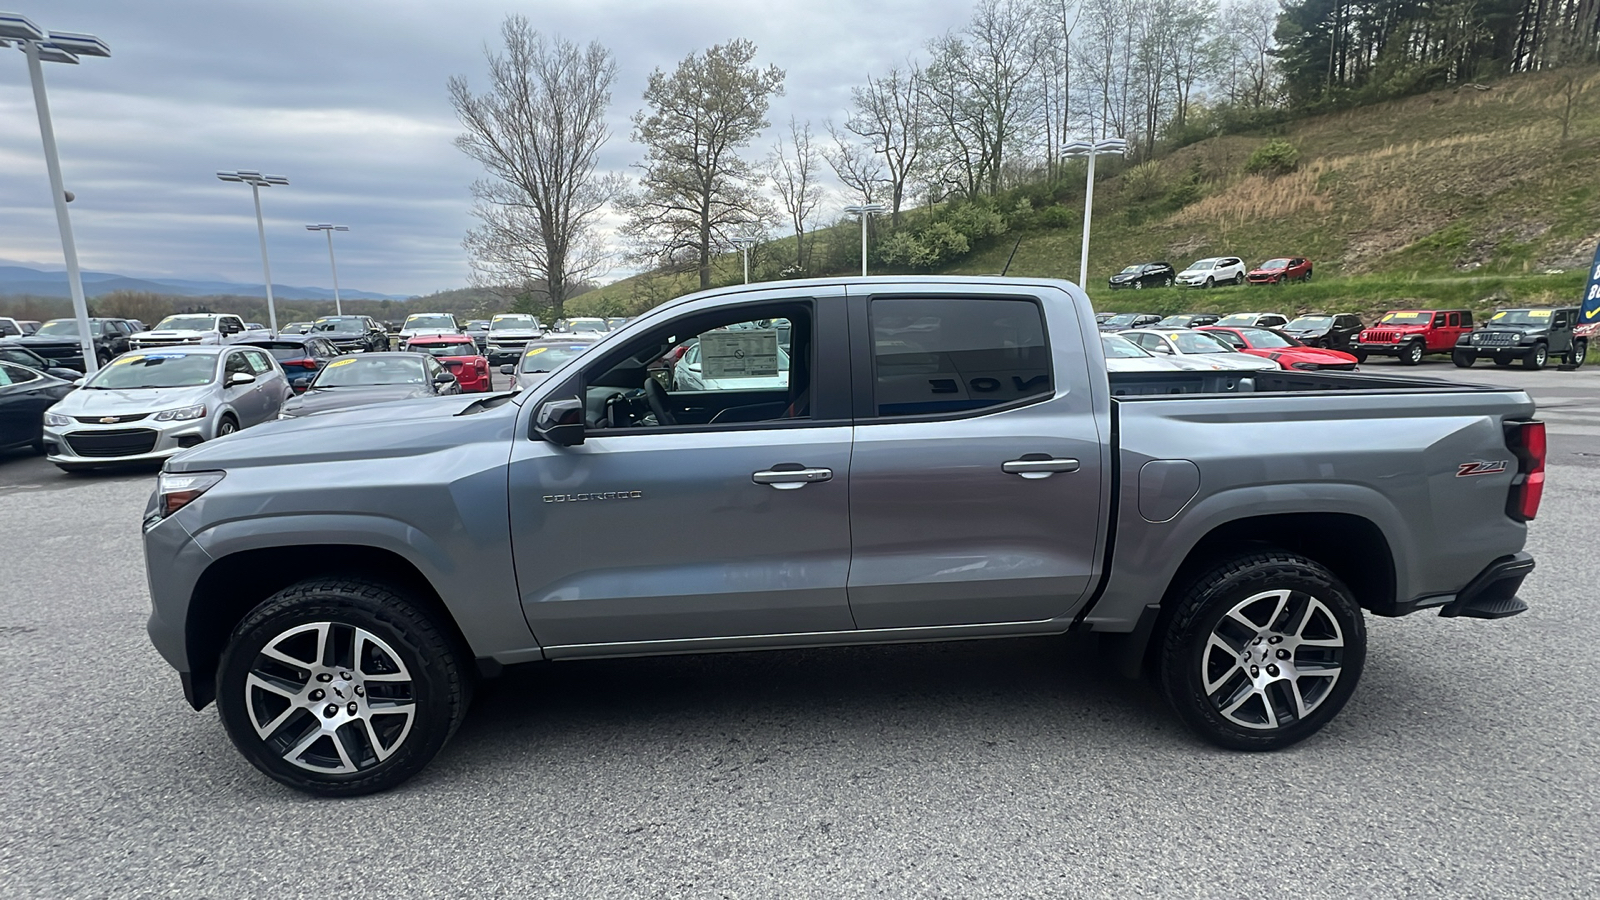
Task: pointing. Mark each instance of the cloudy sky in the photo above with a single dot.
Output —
(348, 101)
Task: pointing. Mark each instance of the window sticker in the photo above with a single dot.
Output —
(739, 354)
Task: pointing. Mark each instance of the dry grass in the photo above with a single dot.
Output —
(1256, 197)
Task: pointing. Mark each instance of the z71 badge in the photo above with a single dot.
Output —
(1480, 468)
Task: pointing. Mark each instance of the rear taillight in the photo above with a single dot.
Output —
(1527, 441)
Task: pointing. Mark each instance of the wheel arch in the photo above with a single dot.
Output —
(233, 585)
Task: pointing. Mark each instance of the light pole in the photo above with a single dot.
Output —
(1091, 149)
(62, 47)
(744, 244)
(257, 181)
(338, 310)
(865, 211)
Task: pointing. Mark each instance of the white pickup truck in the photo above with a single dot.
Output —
(196, 328)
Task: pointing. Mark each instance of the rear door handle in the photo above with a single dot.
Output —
(1038, 468)
(790, 479)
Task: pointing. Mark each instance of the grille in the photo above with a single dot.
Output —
(1380, 337)
(119, 442)
(57, 351)
(111, 420)
(144, 343)
(1495, 338)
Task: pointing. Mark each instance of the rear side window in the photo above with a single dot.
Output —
(1455, 320)
(259, 363)
(956, 355)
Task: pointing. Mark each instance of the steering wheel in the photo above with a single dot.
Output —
(656, 396)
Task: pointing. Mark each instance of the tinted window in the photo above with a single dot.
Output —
(956, 355)
(1455, 320)
(10, 374)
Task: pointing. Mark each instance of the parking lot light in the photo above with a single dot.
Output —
(41, 47)
(1091, 149)
(865, 211)
(257, 181)
(744, 244)
(338, 310)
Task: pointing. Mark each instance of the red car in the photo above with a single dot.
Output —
(459, 353)
(1282, 349)
(1280, 270)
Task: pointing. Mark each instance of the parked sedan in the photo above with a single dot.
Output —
(459, 353)
(541, 358)
(1280, 270)
(1123, 355)
(1337, 332)
(1143, 275)
(1253, 320)
(178, 398)
(372, 378)
(17, 354)
(1212, 271)
(1198, 346)
(1124, 321)
(25, 394)
(300, 355)
(1188, 320)
(1283, 350)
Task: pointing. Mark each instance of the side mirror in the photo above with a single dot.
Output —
(560, 422)
(508, 369)
(443, 378)
(78, 382)
(239, 378)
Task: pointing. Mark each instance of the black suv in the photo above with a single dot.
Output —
(57, 341)
(1143, 275)
(352, 334)
(1531, 335)
(1336, 332)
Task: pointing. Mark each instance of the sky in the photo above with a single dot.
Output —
(348, 101)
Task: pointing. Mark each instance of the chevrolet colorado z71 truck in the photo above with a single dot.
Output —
(869, 460)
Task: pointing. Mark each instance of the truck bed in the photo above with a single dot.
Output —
(1159, 384)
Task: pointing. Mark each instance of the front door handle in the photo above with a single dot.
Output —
(790, 479)
(1038, 468)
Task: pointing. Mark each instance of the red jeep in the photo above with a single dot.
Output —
(1410, 333)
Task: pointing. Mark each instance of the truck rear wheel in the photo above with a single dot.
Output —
(1262, 651)
(340, 687)
(1575, 357)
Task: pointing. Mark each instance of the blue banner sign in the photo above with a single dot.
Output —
(1590, 320)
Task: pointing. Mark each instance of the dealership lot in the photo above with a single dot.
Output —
(1463, 767)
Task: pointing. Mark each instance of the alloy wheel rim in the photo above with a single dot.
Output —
(330, 698)
(1272, 660)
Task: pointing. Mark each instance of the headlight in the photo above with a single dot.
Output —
(178, 489)
(57, 420)
(182, 415)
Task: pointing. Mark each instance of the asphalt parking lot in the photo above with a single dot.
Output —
(1465, 766)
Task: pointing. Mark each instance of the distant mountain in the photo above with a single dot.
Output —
(23, 280)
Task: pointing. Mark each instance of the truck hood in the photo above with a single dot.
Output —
(174, 335)
(45, 340)
(93, 402)
(380, 431)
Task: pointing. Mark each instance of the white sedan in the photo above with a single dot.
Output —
(1197, 347)
(690, 375)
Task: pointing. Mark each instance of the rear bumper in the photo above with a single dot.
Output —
(1491, 594)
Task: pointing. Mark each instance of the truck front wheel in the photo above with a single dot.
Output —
(1261, 651)
(1411, 353)
(1462, 359)
(1536, 357)
(339, 687)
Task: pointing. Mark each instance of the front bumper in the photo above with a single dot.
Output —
(130, 442)
(1379, 349)
(1274, 278)
(506, 352)
(1490, 351)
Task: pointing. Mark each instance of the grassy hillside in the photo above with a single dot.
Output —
(1460, 197)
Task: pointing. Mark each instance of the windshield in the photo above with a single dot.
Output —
(1195, 342)
(155, 370)
(187, 323)
(340, 325)
(1309, 323)
(1119, 347)
(459, 348)
(550, 357)
(1407, 318)
(1239, 319)
(1129, 270)
(61, 327)
(1204, 263)
(1262, 339)
(1540, 317)
(1123, 319)
(427, 321)
(521, 323)
(1275, 264)
(364, 370)
(590, 326)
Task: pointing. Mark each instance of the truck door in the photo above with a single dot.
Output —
(716, 512)
(976, 483)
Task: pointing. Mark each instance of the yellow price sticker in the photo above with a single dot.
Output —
(122, 361)
(1497, 317)
(537, 350)
(1539, 313)
(340, 362)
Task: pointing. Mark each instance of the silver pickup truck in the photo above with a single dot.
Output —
(864, 461)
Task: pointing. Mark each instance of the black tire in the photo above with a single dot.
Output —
(1285, 597)
(1411, 353)
(1307, 276)
(1536, 357)
(409, 643)
(1503, 361)
(1210, 282)
(228, 425)
(1463, 360)
(1579, 351)
(1138, 285)
(1169, 282)
(1239, 278)
(1360, 355)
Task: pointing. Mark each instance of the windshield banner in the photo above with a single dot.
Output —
(1590, 319)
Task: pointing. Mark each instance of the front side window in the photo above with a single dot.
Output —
(956, 355)
(259, 364)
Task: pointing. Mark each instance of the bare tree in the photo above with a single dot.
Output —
(696, 192)
(793, 167)
(538, 132)
(856, 165)
(890, 115)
